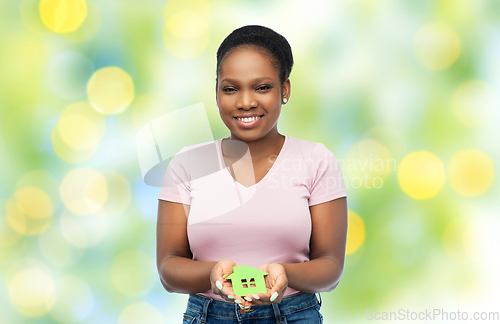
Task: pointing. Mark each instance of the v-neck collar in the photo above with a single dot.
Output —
(278, 159)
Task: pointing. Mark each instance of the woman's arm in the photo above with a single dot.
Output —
(327, 249)
(178, 272)
(327, 252)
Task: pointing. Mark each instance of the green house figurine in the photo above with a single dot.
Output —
(247, 280)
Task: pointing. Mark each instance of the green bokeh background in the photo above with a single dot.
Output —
(357, 76)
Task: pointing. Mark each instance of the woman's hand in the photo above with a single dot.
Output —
(276, 284)
(221, 286)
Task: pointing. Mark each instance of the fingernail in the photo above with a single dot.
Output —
(248, 307)
(218, 285)
(230, 296)
(248, 298)
(255, 296)
(237, 301)
(241, 306)
(274, 296)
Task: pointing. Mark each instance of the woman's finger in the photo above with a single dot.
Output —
(240, 301)
(278, 289)
(218, 284)
(259, 302)
(281, 283)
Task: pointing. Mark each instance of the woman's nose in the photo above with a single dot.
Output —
(247, 100)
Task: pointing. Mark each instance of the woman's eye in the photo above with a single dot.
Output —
(264, 87)
(228, 89)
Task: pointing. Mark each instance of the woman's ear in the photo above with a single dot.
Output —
(216, 96)
(286, 89)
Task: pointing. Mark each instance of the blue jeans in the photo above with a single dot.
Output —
(298, 308)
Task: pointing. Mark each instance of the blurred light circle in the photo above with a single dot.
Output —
(367, 160)
(436, 46)
(185, 25)
(89, 27)
(84, 191)
(36, 199)
(140, 313)
(471, 172)
(131, 273)
(66, 153)
(73, 301)
(24, 224)
(460, 240)
(119, 193)
(57, 250)
(186, 32)
(63, 16)
(43, 180)
(68, 73)
(475, 103)
(355, 233)
(78, 132)
(34, 202)
(110, 90)
(421, 175)
(84, 231)
(32, 292)
(84, 109)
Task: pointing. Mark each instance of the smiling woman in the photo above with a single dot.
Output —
(249, 94)
(295, 233)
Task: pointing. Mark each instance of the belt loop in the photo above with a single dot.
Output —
(277, 313)
(205, 310)
(320, 301)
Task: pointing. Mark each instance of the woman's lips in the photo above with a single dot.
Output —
(250, 124)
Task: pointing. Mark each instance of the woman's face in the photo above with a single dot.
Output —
(249, 85)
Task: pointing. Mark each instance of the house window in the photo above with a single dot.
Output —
(245, 283)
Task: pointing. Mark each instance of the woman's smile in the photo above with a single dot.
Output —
(249, 122)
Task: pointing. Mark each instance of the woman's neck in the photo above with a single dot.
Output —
(262, 148)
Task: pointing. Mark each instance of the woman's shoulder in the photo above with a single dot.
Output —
(198, 145)
(309, 148)
(198, 150)
(197, 153)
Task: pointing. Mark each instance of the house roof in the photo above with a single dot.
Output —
(245, 272)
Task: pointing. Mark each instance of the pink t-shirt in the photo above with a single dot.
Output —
(264, 223)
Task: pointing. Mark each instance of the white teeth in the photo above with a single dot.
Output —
(248, 120)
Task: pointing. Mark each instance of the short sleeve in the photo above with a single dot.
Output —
(176, 182)
(327, 181)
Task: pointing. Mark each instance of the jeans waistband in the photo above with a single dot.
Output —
(289, 304)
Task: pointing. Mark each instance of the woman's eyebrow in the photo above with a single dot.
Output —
(254, 80)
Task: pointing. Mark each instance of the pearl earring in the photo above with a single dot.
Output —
(284, 100)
